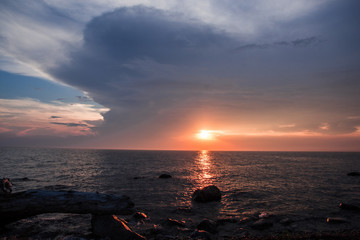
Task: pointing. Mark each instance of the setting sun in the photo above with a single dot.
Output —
(205, 135)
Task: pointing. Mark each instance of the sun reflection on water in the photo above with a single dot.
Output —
(204, 164)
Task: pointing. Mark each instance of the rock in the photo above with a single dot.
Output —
(29, 203)
(5, 186)
(109, 226)
(349, 206)
(139, 216)
(336, 220)
(207, 194)
(165, 176)
(262, 224)
(200, 234)
(354, 174)
(174, 222)
(207, 225)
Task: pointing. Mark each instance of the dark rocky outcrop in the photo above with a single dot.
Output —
(207, 225)
(165, 176)
(21, 205)
(109, 226)
(207, 194)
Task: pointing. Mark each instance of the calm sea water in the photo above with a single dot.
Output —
(303, 185)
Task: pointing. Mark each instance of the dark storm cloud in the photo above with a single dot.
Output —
(153, 67)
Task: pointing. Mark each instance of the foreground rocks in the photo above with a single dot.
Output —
(207, 194)
(109, 226)
(21, 205)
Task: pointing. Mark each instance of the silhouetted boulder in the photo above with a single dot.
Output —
(29, 203)
(207, 225)
(207, 194)
(165, 176)
(354, 174)
(109, 226)
(349, 207)
(5, 186)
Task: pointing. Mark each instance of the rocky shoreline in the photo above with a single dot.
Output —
(186, 223)
(77, 226)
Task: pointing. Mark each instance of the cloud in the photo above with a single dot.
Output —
(30, 117)
(163, 72)
(155, 70)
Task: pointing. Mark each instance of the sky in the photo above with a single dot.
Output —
(259, 75)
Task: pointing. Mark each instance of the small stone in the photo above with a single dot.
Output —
(165, 176)
(207, 225)
(336, 220)
(207, 194)
(5, 186)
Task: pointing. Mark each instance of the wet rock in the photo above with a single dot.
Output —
(109, 226)
(349, 207)
(139, 216)
(165, 176)
(262, 224)
(265, 215)
(174, 222)
(201, 234)
(207, 225)
(5, 186)
(336, 220)
(207, 194)
(354, 174)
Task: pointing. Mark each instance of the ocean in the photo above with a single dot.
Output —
(297, 190)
